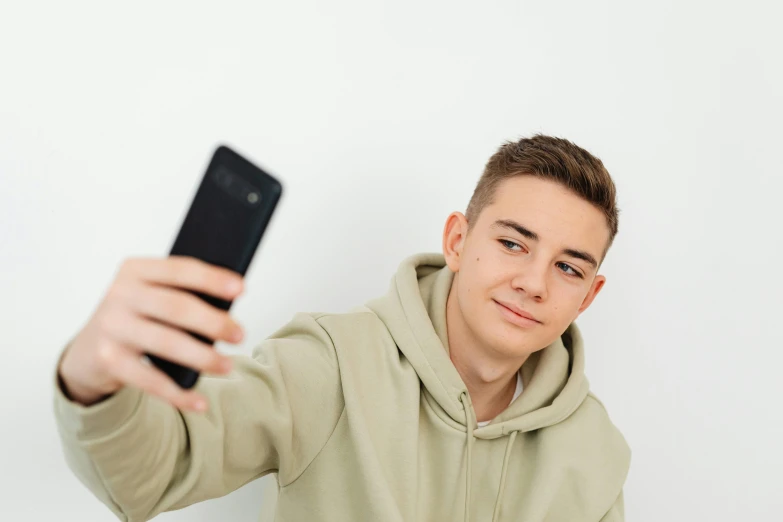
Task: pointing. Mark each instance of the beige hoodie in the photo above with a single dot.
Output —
(362, 417)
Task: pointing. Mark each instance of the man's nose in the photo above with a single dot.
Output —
(532, 279)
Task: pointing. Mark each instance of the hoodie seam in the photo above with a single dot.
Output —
(316, 317)
(326, 442)
(590, 395)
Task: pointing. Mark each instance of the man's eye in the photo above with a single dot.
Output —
(506, 244)
(568, 267)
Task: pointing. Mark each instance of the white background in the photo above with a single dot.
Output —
(378, 119)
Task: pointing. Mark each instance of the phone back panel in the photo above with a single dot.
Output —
(224, 226)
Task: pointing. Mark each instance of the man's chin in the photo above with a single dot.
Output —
(513, 346)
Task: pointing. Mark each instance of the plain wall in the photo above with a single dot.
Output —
(378, 118)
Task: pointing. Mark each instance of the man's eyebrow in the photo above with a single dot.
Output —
(526, 232)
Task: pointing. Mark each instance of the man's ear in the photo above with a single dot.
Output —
(454, 234)
(598, 284)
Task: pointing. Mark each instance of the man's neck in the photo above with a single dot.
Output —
(491, 382)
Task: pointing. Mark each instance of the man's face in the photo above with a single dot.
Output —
(500, 265)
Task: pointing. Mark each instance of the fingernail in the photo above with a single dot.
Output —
(200, 405)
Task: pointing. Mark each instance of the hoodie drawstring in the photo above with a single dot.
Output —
(469, 431)
(471, 421)
(503, 471)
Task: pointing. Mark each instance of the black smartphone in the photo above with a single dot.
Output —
(224, 225)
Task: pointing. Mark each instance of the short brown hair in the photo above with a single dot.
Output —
(554, 159)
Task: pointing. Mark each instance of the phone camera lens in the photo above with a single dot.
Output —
(252, 197)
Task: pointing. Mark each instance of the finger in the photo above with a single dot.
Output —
(186, 272)
(170, 343)
(130, 369)
(183, 310)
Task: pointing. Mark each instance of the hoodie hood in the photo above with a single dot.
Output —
(414, 311)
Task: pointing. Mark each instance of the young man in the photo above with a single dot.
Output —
(459, 395)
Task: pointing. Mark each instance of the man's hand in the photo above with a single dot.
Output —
(146, 309)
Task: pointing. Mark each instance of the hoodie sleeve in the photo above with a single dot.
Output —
(617, 512)
(141, 456)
